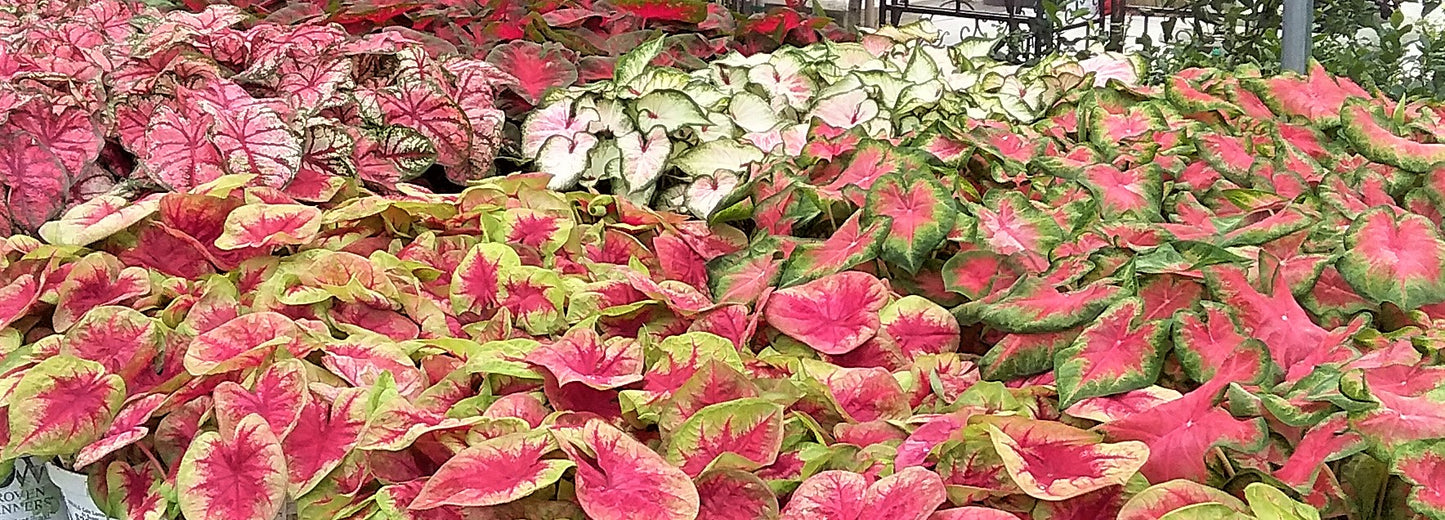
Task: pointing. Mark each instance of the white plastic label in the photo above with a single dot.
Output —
(28, 494)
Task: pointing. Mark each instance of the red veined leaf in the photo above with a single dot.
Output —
(66, 131)
(97, 279)
(910, 494)
(1325, 442)
(422, 106)
(1032, 306)
(475, 281)
(279, 395)
(972, 513)
(122, 340)
(60, 405)
(833, 315)
(1393, 257)
(679, 261)
(850, 245)
(1055, 461)
(1275, 319)
(1423, 464)
(1009, 225)
(534, 296)
(1113, 355)
(1179, 433)
(309, 85)
(1316, 97)
(138, 488)
(1399, 419)
(730, 494)
(33, 179)
(269, 225)
(537, 67)
(620, 478)
(390, 154)
(254, 140)
(522, 406)
(1160, 499)
(127, 428)
(96, 219)
(978, 273)
(867, 394)
(582, 356)
(17, 296)
(920, 214)
(743, 434)
(242, 342)
(179, 151)
(685, 11)
(494, 472)
(363, 361)
(916, 326)
(238, 473)
(321, 437)
(1135, 192)
(1204, 340)
(1365, 126)
(1109, 408)
(915, 449)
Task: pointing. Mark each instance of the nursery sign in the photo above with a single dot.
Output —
(26, 493)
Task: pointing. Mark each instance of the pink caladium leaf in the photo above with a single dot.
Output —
(743, 434)
(1276, 319)
(1423, 466)
(1032, 305)
(850, 245)
(278, 395)
(1113, 355)
(910, 494)
(1055, 461)
(1160, 499)
(731, 494)
(137, 489)
(1022, 355)
(1397, 257)
(1010, 225)
(1328, 441)
(619, 477)
(121, 339)
(322, 437)
(920, 215)
(978, 273)
(33, 182)
(581, 356)
(422, 106)
(60, 405)
(833, 315)
(96, 219)
(1109, 408)
(269, 225)
(95, 280)
(127, 428)
(179, 151)
(237, 473)
(867, 394)
(255, 140)
(494, 472)
(537, 67)
(743, 276)
(972, 513)
(1180, 433)
(242, 342)
(916, 326)
(16, 297)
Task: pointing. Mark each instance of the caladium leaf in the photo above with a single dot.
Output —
(916, 326)
(279, 395)
(179, 152)
(866, 394)
(910, 494)
(240, 343)
(494, 472)
(96, 219)
(238, 473)
(122, 340)
(743, 434)
(537, 67)
(644, 157)
(97, 279)
(1364, 126)
(1022, 355)
(1054, 461)
(475, 281)
(619, 477)
(850, 245)
(322, 437)
(1423, 465)
(1033, 306)
(582, 356)
(254, 141)
(269, 225)
(833, 315)
(565, 159)
(34, 179)
(721, 154)
(978, 273)
(60, 405)
(1113, 355)
(139, 489)
(422, 106)
(730, 494)
(1395, 257)
(1160, 499)
(1179, 433)
(17, 296)
(1328, 441)
(1008, 224)
(670, 109)
(127, 428)
(920, 215)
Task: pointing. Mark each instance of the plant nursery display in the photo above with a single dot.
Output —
(259, 263)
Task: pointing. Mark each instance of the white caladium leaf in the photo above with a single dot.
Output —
(611, 115)
(752, 113)
(846, 110)
(632, 64)
(888, 83)
(669, 109)
(565, 158)
(704, 194)
(604, 161)
(721, 127)
(558, 119)
(722, 154)
(643, 157)
(784, 81)
(652, 80)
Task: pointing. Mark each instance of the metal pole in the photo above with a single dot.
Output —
(1295, 39)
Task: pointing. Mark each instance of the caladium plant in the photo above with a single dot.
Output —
(114, 94)
(684, 140)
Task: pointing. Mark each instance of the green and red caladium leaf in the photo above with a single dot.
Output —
(1181, 432)
(1032, 305)
(1316, 97)
(179, 152)
(534, 296)
(1022, 355)
(121, 339)
(17, 296)
(620, 478)
(1108, 408)
(537, 67)
(136, 490)
(322, 436)
(833, 315)
(1325, 442)
(236, 473)
(916, 326)
(851, 244)
(920, 215)
(581, 356)
(127, 428)
(731, 494)
(1010, 225)
(494, 472)
(1422, 464)
(1364, 127)
(1114, 355)
(910, 494)
(743, 434)
(1162, 498)
(972, 513)
(60, 405)
(1275, 319)
(35, 182)
(242, 342)
(97, 218)
(475, 281)
(1393, 256)
(1054, 461)
(978, 273)
(95, 280)
(269, 225)
(866, 394)
(278, 395)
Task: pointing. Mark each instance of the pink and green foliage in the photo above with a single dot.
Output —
(115, 94)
